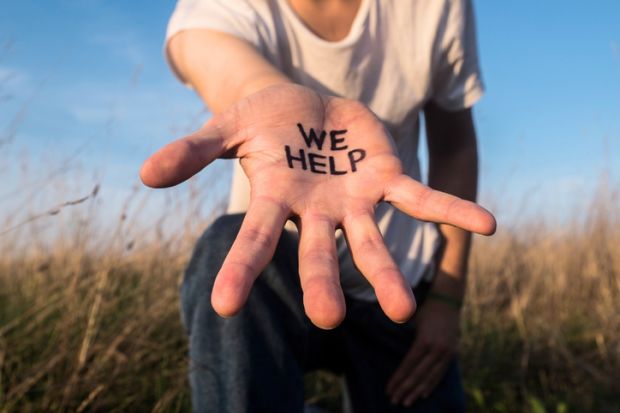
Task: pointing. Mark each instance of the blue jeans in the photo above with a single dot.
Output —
(256, 360)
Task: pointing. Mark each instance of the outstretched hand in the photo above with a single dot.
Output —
(324, 162)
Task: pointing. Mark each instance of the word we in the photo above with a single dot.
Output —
(323, 164)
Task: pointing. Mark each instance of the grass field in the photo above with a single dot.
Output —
(89, 319)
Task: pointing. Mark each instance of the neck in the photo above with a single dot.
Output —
(331, 20)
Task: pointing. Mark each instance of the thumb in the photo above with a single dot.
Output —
(183, 158)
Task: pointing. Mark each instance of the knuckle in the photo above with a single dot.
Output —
(422, 200)
(318, 283)
(259, 237)
(324, 257)
(388, 272)
(244, 266)
(386, 285)
(370, 243)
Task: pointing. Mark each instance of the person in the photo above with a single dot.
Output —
(320, 101)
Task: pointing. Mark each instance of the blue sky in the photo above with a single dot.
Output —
(83, 85)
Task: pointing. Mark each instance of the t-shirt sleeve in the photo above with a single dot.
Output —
(457, 80)
(234, 17)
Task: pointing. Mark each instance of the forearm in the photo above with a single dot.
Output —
(457, 176)
(453, 168)
(222, 68)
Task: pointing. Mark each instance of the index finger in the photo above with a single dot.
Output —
(249, 255)
(426, 204)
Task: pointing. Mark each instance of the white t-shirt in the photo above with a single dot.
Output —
(398, 55)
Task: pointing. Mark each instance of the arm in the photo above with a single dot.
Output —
(222, 68)
(321, 160)
(453, 168)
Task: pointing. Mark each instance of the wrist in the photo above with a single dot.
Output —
(451, 284)
(262, 81)
(447, 299)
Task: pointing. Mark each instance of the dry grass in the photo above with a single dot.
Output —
(89, 321)
(542, 324)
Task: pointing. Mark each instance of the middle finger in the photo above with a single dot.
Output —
(318, 272)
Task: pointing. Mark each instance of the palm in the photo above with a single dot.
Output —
(324, 162)
(323, 156)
